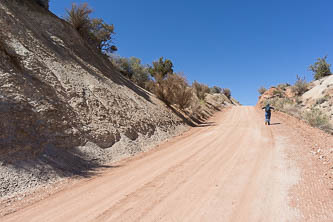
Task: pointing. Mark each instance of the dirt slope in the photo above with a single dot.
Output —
(64, 108)
(234, 169)
(319, 96)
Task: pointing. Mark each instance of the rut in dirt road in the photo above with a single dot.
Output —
(233, 169)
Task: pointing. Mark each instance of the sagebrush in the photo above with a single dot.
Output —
(316, 118)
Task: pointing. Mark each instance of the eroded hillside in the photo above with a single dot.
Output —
(64, 108)
(311, 102)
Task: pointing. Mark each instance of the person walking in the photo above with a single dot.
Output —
(268, 113)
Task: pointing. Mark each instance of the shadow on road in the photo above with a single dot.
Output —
(206, 124)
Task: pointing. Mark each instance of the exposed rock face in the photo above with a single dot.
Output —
(320, 88)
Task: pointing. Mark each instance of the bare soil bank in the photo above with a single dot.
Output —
(64, 110)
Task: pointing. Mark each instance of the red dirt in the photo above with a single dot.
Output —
(233, 169)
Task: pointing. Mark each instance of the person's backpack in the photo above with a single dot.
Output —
(267, 109)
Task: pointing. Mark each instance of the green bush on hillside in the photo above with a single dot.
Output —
(161, 69)
(320, 68)
(132, 69)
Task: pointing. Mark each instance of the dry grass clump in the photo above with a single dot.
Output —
(173, 90)
(278, 93)
(317, 118)
(300, 86)
(262, 90)
(78, 17)
(279, 103)
(200, 90)
(314, 117)
(179, 91)
(227, 93)
(215, 89)
(95, 31)
(322, 100)
(283, 86)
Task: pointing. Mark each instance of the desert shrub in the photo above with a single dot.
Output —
(140, 74)
(122, 64)
(278, 93)
(227, 92)
(78, 17)
(292, 109)
(173, 89)
(150, 85)
(132, 69)
(317, 118)
(283, 86)
(196, 108)
(322, 100)
(180, 92)
(262, 90)
(200, 90)
(300, 86)
(101, 35)
(161, 69)
(320, 68)
(285, 105)
(279, 103)
(298, 100)
(44, 3)
(215, 89)
(95, 31)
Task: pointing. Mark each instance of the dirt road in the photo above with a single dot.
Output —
(232, 169)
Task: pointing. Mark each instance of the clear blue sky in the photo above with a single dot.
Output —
(238, 44)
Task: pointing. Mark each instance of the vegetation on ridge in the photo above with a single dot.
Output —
(291, 99)
(94, 30)
(320, 68)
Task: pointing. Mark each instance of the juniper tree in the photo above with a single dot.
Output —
(320, 68)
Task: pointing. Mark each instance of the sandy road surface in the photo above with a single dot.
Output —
(233, 169)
